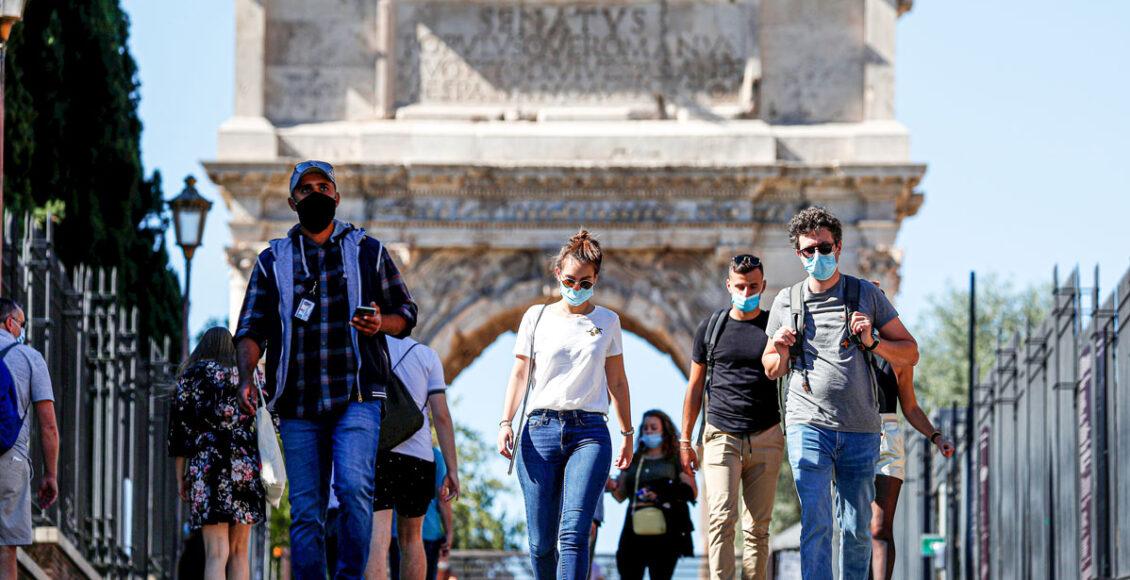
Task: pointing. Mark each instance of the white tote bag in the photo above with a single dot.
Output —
(273, 472)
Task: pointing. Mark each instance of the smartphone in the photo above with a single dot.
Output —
(363, 311)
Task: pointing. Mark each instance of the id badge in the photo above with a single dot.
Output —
(305, 307)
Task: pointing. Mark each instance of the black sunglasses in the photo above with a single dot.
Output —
(824, 248)
(569, 283)
(748, 260)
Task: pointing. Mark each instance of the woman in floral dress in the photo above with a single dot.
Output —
(217, 455)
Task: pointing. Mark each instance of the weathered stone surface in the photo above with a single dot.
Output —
(474, 137)
(573, 52)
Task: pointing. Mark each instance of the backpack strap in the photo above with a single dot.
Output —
(31, 376)
(851, 306)
(851, 293)
(713, 333)
(7, 349)
(797, 318)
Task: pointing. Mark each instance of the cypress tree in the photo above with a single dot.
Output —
(73, 142)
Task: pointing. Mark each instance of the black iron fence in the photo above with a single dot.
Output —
(117, 491)
(1051, 454)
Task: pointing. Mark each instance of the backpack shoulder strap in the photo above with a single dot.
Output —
(714, 329)
(713, 333)
(851, 304)
(851, 293)
(7, 349)
(797, 317)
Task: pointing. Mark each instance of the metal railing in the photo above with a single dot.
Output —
(117, 491)
(1051, 454)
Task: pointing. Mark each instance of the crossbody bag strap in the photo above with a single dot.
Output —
(526, 396)
(400, 360)
(405, 355)
(636, 491)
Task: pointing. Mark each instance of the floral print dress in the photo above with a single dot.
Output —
(218, 441)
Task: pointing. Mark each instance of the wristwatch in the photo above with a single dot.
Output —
(875, 342)
(629, 432)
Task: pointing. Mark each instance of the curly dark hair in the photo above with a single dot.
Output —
(811, 219)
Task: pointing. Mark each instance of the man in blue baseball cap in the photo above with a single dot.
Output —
(327, 364)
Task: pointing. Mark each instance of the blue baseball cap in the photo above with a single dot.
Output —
(310, 167)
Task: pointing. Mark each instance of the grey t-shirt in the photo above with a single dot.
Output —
(33, 384)
(842, 397)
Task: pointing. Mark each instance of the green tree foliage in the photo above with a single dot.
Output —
(941, 377)
(72, 141)
(477, 518)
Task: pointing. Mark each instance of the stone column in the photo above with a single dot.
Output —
(250, 61)
(880, 18)
(248, 134)
(385, 96)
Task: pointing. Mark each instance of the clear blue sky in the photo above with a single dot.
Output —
(1017, 108)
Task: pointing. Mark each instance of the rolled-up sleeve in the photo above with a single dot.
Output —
(395, 295)
(259, 316)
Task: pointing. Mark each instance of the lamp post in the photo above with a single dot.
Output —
(190, 211)
(11, 11)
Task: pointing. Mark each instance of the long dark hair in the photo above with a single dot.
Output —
(216, 344)
(670, 444)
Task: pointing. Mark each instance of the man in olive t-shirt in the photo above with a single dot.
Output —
(743, 444)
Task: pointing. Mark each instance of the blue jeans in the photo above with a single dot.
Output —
(563, 463)
(820, 457)
(345, 444)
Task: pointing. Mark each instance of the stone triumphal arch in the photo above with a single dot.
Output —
(473, 137)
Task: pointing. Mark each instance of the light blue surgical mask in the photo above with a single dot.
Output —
(820, 266)
(651, 440)
(575, 297)
(745, 303)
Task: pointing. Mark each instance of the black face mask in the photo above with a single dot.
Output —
(316, 212)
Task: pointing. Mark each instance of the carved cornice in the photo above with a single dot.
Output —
(639, 181)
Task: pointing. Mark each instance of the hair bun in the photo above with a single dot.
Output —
(580, 238)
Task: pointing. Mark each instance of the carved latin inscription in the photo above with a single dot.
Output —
(570, 54)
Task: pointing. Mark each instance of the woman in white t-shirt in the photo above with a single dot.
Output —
(577, 365)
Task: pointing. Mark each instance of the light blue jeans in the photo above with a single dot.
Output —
(562, 466)
(821, 457)
(347, 443)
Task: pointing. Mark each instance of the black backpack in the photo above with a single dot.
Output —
(882, 374)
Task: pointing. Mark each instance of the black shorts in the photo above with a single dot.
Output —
(404, 483)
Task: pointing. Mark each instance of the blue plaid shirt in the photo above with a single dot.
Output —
(323, 365)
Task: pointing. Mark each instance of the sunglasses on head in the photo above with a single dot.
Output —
(748, 260)
(824, 248)
(569, 283)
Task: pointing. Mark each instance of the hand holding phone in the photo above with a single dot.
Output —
(363, 311)
(367, 319)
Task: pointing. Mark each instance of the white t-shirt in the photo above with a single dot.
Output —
(569, 354)
(422, 372)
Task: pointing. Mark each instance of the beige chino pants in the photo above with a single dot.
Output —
(740, 466)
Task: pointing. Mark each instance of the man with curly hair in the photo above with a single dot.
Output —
(824, 333)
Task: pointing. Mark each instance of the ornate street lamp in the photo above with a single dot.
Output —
(190, 211)
(11, 12)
